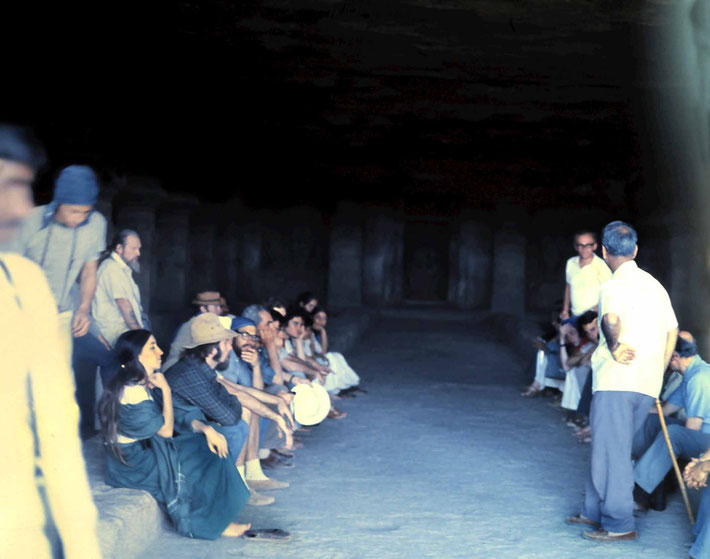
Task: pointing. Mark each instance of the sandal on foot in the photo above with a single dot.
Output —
(267, 535)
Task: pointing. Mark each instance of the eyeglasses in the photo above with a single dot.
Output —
(585, 245)
(246, 336)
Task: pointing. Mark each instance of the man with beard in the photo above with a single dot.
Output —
(196, 378)
(117, 303)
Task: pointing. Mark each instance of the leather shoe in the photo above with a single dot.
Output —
(604, 536)
(579, 520)
(273, 462)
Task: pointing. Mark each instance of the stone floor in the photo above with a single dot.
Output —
(441, 459)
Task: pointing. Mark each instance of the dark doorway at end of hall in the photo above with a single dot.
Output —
(426, 260)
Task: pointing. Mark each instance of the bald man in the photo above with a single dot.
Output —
(689, 438)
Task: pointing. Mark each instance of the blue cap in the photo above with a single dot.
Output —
(240, 322)
(76, 184)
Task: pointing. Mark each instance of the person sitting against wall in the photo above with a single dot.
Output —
(579, 366)
(319, 341)
(548, 367)
(196, 378)
(689, 437)
(344, 377)
(142, 453)
(307, 301)
(295, 361)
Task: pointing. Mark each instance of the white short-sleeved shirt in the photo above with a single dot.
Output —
(646, 317)
(585, 282)
(114, 280)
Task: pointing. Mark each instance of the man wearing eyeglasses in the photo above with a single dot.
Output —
(585, 274)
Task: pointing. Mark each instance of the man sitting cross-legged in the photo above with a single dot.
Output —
(690, 438)
(194, 379)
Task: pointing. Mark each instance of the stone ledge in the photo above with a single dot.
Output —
(129, 519)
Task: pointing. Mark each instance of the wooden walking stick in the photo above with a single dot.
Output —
(675, 462)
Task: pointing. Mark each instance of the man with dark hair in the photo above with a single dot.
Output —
(196, 379)
(584, 275)
(50, 512)
(638, 334)
(689, 438)
(117, 303)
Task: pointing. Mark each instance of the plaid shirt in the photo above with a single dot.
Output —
(194, 381)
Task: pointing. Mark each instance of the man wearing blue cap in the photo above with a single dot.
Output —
(66, 238)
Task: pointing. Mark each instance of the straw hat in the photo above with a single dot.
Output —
(311, 403)
(206, 328)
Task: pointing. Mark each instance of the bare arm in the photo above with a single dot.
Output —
(579, 358)
(565, 303)
(234, 388)
(166, 431)
(694, 423)
(129, 317)
(87, 289)
(611, 327)
(215, 440)
(273, 354)
(323, 341)
(671, 338)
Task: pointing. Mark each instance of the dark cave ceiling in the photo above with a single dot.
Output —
(436, 104)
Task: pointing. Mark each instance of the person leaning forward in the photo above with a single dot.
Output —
(638, 335)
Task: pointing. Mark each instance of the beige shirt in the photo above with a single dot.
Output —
(114, 280)
(585, 282)
(646, 317)
(31, 358)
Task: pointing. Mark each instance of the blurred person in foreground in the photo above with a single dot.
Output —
(47, 509)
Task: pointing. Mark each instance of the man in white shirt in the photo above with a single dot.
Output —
(117, 303)
(584, 275)
(638, 335)
(47, 510)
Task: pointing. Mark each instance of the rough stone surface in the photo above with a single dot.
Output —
(442, 459)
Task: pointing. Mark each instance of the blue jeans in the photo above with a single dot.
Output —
(701, 530)
(236, 436)
(89, 353)
(656, 461)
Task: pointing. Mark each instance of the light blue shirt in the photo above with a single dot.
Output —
(237, 371)
(693, 394)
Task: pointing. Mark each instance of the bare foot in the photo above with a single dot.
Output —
(335, 413)
(235, 530)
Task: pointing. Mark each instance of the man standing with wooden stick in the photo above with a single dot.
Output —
(638, 335)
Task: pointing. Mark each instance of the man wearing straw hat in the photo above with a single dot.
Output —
(638, 335)
(195, 379)
(205, 301)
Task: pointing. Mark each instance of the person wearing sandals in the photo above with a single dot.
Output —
(192, 476)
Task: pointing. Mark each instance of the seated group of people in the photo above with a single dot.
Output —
(198, 430)
(563, 369)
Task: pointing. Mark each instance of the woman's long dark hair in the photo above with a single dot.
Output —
(131, 372)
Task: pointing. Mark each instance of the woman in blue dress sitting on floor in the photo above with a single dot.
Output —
(192, 476)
